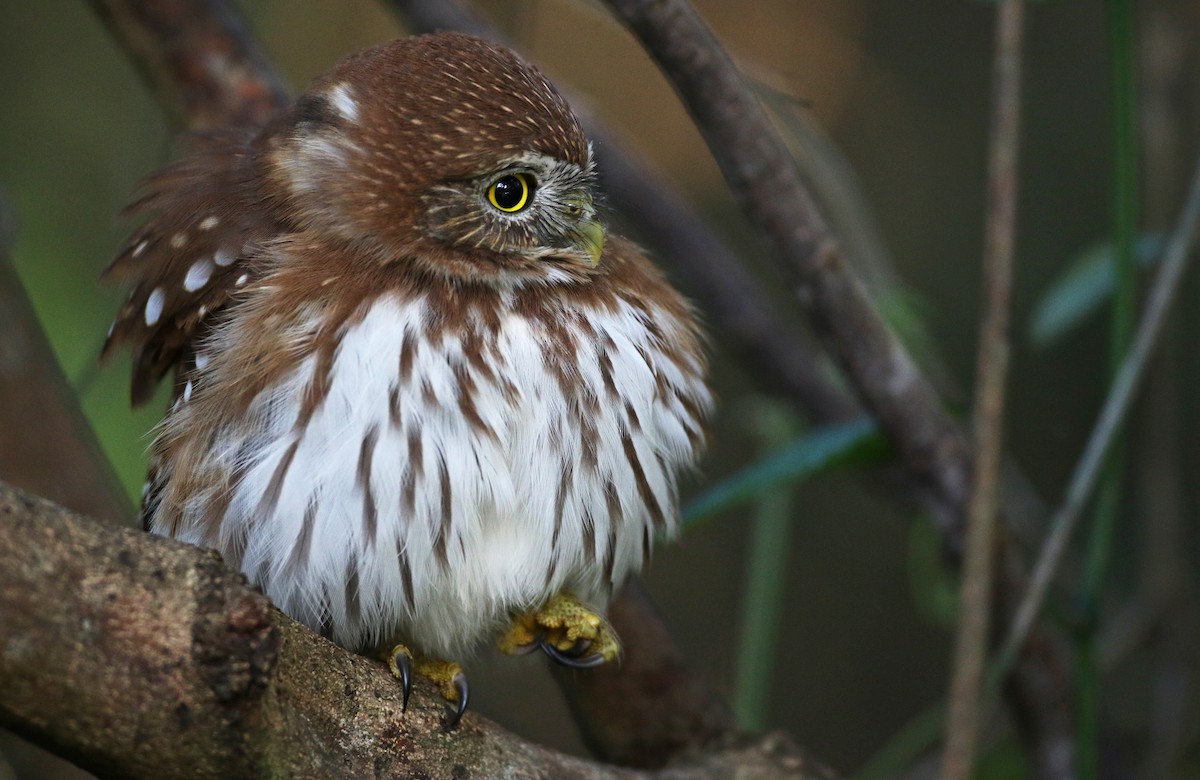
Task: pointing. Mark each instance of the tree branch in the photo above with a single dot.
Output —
(43, 433)
(134, 655)
(759, 171)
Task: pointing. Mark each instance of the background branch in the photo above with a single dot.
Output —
(975, 602)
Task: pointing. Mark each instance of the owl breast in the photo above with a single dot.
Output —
(429, 480)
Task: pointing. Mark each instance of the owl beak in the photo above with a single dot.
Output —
(591, 240)
(586, 234)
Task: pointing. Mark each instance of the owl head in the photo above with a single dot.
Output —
(445, 152)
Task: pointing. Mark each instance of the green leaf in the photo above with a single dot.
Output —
(819, 451)
(1084, 288)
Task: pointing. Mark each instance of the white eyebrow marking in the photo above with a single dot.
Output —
(154, 305)
(343, 101)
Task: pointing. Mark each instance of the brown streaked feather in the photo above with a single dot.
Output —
(205, 216)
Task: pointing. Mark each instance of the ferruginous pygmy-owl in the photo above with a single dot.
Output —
(421, 396)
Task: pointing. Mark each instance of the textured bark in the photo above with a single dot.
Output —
(134, 656)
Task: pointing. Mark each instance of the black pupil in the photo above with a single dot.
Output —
(509, 192)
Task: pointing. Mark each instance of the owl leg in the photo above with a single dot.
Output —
(566, 630)
(447, 675)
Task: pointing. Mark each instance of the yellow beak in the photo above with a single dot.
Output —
(591, 240)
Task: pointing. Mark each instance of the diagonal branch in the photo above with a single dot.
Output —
(759, 170)
(43, 433)
(135, 655)
(198, 59)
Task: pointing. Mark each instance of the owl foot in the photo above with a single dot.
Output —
(565, 630)
(447, 675)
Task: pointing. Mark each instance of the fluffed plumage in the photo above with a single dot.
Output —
(406, 410)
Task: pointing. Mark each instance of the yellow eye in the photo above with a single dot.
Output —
(510, 193)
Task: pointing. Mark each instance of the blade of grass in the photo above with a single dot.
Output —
(1119, 21)
(857, 442)
(1084, 288)
(762, 596)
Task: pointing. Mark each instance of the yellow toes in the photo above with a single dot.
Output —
(566, 629)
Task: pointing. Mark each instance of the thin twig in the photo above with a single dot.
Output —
(962, 723)
(1112, 416)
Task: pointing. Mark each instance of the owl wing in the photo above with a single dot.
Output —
(204, 218)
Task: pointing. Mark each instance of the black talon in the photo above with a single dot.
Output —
(464, 695)
(404, 664)
(588, 662)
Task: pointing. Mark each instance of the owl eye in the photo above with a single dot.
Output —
(510, 193)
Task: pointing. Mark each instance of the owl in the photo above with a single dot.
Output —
(423, 398)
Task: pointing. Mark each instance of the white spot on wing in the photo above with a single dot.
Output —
(154, 305)
(223, 257)
(197, 275)
(141, 247)
(242, 279)
(201, 360)
(208, 223)
(187, 392)
(178, 240)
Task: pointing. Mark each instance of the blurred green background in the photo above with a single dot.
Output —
(903, 90)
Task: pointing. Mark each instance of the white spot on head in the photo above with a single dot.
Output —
(178, 240)
(223, 257)
(201, 360)
(141, 247)
(208, 223)
(154, 305)
(187, 392)
(197, 275)
(344, 102)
